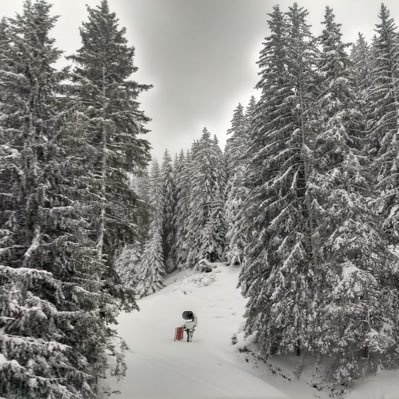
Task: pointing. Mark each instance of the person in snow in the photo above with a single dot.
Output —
(190, 324)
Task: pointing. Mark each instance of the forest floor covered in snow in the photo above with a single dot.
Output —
(211, 367)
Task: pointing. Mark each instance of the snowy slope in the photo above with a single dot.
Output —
(210, 367)
(384, 385)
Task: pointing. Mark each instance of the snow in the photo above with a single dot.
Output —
(384, 385)
(211, 367)
(2, 359)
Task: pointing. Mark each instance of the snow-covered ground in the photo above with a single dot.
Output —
(210, 367)
(384, 385)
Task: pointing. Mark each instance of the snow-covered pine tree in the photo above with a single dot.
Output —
(10, 162)
(215, 230)
(361, 72)
(234, 146)
(278, 265)
(182, 177)
(383, 123)
(236, 195)
(250, 109)
(361, 67)
(128, 264)
(140, 183)
(169, 207)
(355, 316)
(152, 268)
(107, 98)
(52, 340)
(205, 225)
(235, 189)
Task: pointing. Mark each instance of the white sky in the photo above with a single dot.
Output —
(200, 55)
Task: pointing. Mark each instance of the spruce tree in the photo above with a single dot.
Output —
(50, 325)
(107, 98)
(206, 229)
(168, 218)
(127, 265)
(237, 193)
(361, 76)
(278, 260)
(383, 121)
(235, 189)
(152, 268)
(182, 175)
(355, 317)
(234, 144)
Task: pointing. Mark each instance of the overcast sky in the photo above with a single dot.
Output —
(200, 55)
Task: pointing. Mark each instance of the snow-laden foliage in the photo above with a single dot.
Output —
(169, 207)
(49, 291)
(106, 98)
(361, 72)
(236, 191)
(58, 297)
(278, 263)
(383, 122)
(317, 270)
(151, 269)
(206, 229)
(127, 264)
(356, 314)
(182, 177)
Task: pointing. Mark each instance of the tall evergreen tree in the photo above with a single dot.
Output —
(361, 72)
(234, 145)
(49, 319)
(168, 218)
(206, 229)
(107, 98)
(236, 191)
(152, 268)
(182, 176)
(355, 318)
(128, 265)
(278, 264)
(384, 119)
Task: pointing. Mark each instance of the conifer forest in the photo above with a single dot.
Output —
(303, 199)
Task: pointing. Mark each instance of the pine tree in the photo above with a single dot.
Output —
(49, 292)
(278, 263)
(353, 319)
(361, 66)
(152, 265)
(237, 193)
(152, 268)
(182, 175)
(127, 265)
(361, 72)
(140, 183)
(206, 230)
(108, 100)
(384, 119)
(235, 189)
(169, 204)
(234, 144)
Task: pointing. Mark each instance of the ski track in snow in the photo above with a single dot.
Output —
(210, 367)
